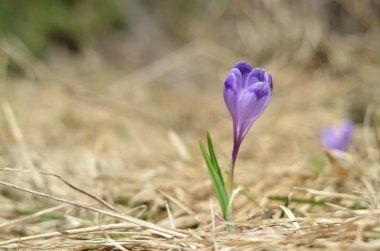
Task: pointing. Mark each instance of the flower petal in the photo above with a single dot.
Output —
(268, 79)
(347, 127)
(346, 134)
(239, 79)
(327, 138)
(230, 93)
(337, 138)
(244, 69)
(252, 104)
(256, 75)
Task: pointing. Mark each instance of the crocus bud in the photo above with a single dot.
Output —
(247, 92)
(337, 138)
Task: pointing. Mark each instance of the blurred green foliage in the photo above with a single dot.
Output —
(68, 23)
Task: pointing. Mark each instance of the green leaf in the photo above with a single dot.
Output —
(216, 177)
(213, 157)
(312, 202)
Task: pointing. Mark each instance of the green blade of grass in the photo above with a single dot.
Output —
(213, 158)
(217, 181)
(312, 202)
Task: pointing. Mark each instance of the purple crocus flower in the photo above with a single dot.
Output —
(338, 138)
(247, 92)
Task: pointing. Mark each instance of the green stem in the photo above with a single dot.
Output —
(230, 226)
(229, 181)
(230, 210)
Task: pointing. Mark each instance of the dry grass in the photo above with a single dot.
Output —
(93, 158)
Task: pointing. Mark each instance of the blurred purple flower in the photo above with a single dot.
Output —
(247, 92)
(338, 138)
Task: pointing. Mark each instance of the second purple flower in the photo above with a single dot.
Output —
(338, 137)
(247, 92)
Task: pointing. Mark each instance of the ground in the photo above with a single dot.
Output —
(119, 150)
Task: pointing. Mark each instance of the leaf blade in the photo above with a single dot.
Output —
(217, 180)
(213, 157)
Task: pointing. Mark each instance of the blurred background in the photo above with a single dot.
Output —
(118, 92)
